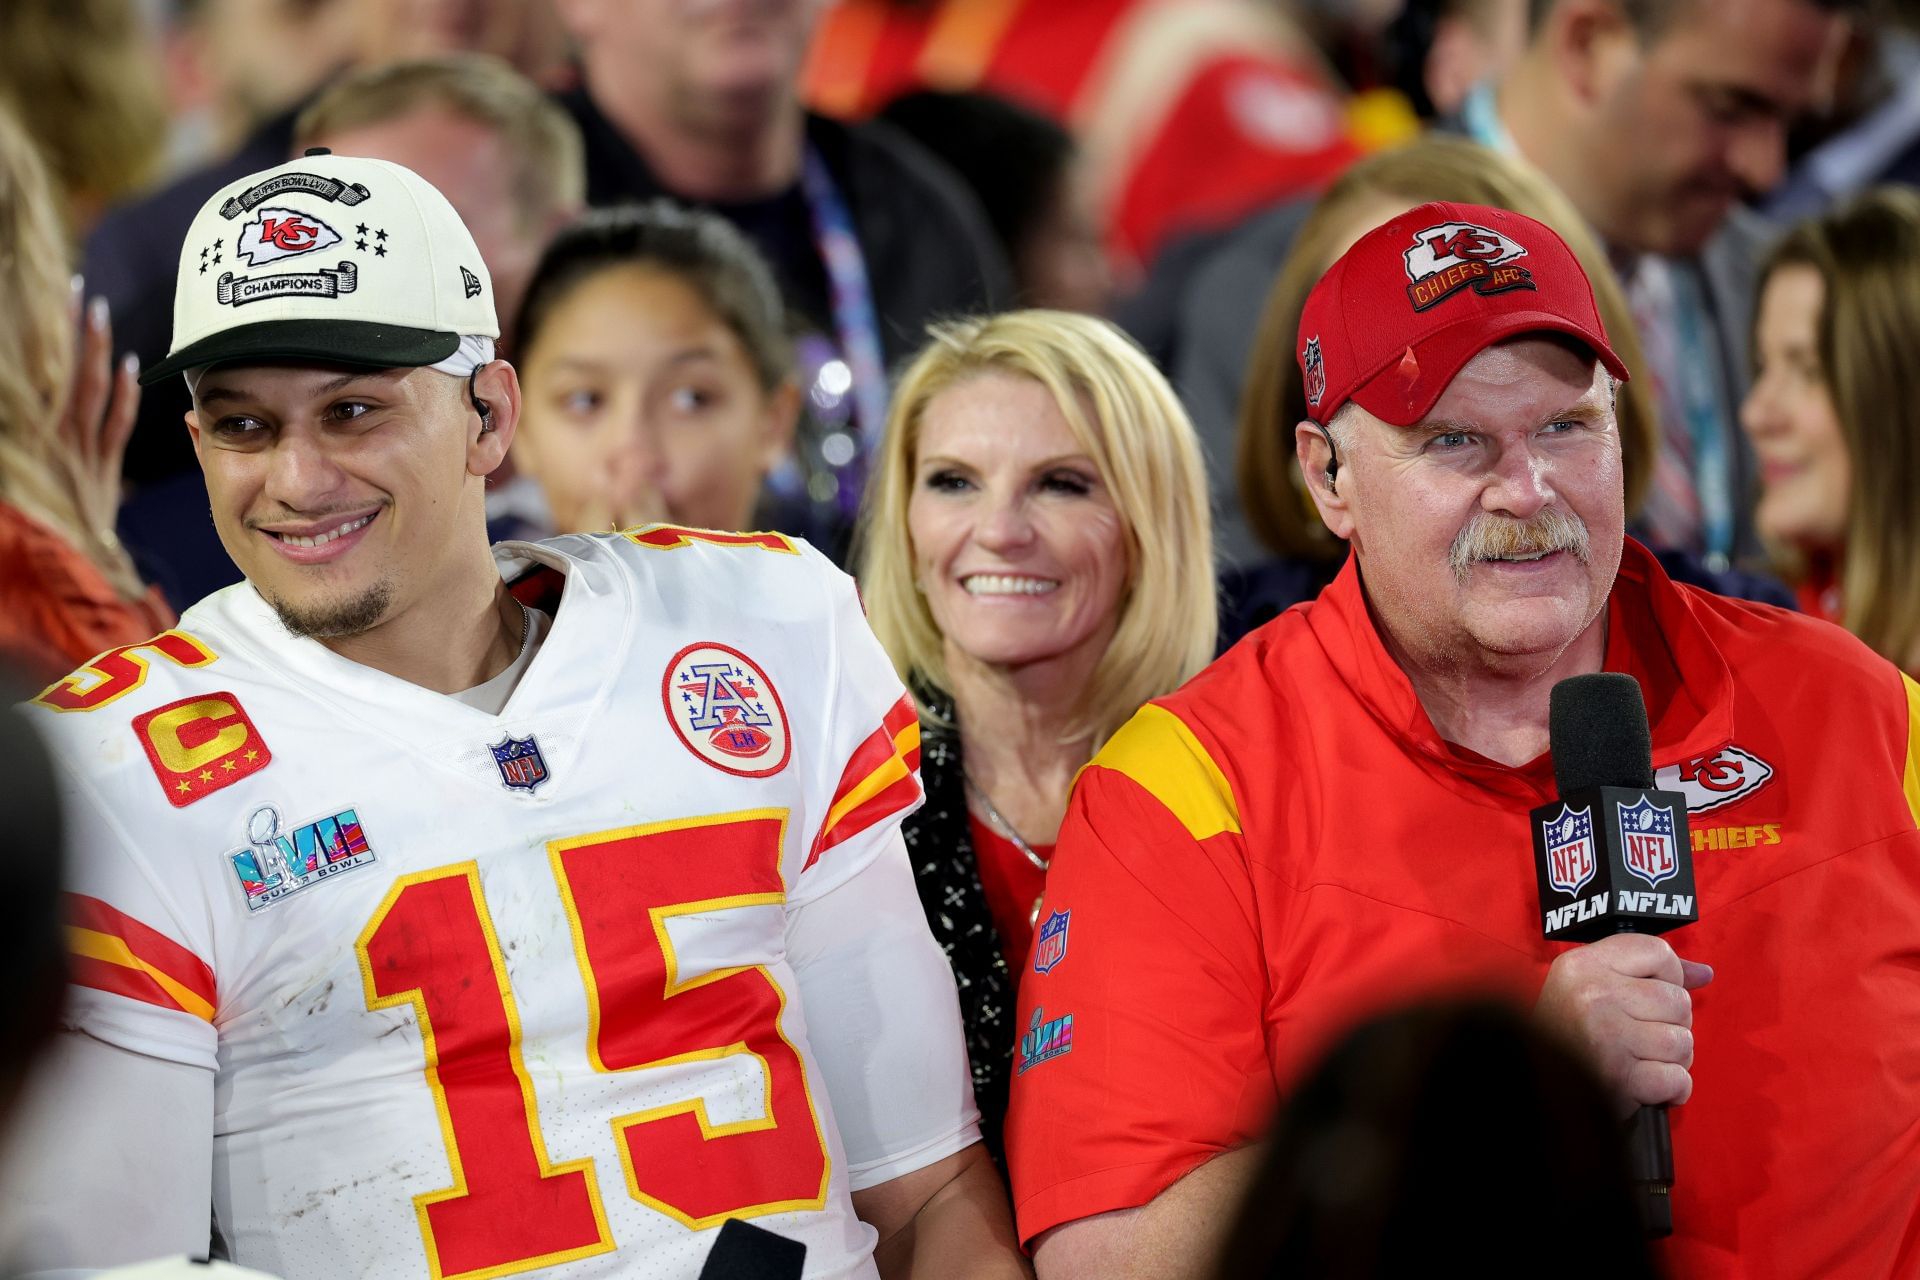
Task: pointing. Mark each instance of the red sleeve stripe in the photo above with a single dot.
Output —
(896, 725)
(114, 952)
(901, 794)
(878, 780)
(117, 979)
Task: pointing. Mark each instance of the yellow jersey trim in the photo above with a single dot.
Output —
(1158, 751)
(1910, 781)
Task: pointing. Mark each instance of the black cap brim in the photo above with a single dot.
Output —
(351, 342)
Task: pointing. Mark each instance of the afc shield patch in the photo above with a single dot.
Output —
(1050, 947)
(726, 711)
(522, 767)
(1646, 837)
(1570, 852)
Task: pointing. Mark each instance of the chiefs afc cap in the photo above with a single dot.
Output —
(1390, 324)
(332, 258)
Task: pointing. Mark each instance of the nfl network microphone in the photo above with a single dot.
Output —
(1613, 857)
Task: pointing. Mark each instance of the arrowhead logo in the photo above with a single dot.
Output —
(277, 233)
(1717, 780)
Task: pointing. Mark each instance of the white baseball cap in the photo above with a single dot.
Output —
(332, 258)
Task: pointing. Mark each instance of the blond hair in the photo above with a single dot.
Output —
(38, 469)
(1867, 252)
(549, 178)
(1122, 412)
(83, 79)
(1273, 400)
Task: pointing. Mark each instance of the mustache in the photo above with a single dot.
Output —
(1490, 537)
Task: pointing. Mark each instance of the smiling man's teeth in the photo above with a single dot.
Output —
(1000, 584)
(1538, 555)
(329, 536)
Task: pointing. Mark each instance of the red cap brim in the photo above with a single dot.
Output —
(1405, 391)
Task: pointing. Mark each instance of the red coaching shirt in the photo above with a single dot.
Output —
(1286, 845)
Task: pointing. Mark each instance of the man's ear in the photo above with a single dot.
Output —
(192, 417)
(1592, 46)
(497, 386)
(1319, 468)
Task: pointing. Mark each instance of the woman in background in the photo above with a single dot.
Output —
(1834, 415)
(658, 375)
(67, 588)
(1036, 557)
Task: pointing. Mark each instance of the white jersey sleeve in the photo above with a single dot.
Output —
(143, 978)
(99, 1125)
(895, 1063)
(872, 744)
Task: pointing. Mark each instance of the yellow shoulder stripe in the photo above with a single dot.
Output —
(1158, 751)
(1911, 779)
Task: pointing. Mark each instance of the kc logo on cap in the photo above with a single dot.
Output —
(338, 259)
(1452, 256)
(1390, 324)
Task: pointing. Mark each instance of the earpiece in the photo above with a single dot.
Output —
(1333, 458)
(480, 406)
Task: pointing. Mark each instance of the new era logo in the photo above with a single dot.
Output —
(470, 282)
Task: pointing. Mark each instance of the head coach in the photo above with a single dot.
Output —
(1333, 817)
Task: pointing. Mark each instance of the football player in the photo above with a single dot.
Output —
(451, 913)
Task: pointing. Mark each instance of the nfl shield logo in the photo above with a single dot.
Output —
(522, 767)
(1051, 947)
(1646, 831)
(1316, 371)
(1570, 861)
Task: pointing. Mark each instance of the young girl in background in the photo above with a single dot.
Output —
(657, 373)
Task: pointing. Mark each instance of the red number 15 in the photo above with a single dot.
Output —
(432, 945)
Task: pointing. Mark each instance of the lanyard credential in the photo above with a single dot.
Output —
(855, 319)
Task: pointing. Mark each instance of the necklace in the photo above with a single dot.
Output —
(526, 624)
(1005, 828)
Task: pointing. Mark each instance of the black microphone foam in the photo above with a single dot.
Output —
(1597, 730)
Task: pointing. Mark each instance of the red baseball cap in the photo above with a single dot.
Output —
(1391, 323)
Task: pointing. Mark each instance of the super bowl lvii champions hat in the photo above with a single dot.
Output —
(331, 258)
(1390, 324)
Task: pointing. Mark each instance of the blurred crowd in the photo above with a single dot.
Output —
(924, 280)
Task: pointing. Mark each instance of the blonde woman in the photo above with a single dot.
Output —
(1036, 557)
(67, 589)
(1834, 415)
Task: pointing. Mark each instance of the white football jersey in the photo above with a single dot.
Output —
(489, 994)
